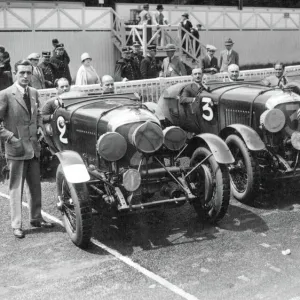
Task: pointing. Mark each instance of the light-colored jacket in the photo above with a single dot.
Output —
(226, 60)
(37, 79)
(173, 67)
(17, 121)
(81, 77)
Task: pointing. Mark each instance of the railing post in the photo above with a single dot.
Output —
(123, 32)
(144, 39)
(180, 40)
(163, 37)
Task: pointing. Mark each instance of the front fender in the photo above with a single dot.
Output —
(73, 166)
(249, 135)
(217, 146)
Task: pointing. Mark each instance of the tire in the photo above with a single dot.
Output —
(212, 186)
(77, 214)
(244, 172)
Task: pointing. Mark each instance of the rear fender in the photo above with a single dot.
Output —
(249, 135)
(73, 166)
(216, 145)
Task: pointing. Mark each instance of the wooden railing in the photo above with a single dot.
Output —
(151, 89)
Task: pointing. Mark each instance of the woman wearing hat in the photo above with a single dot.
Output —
(187, 25)
(86, 74)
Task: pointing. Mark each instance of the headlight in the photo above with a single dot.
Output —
(148, 137)
(273, 120)
(111, 146)
(131, 180)
(295, 140)
(174, 138)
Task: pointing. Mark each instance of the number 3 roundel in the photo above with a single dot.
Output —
(207, 109)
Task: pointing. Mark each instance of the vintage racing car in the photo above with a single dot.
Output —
(259, 124)
(115, 155)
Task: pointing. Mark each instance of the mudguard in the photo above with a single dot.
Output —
(155, 109)
(73, 166)
(249, 135)
(217, 146)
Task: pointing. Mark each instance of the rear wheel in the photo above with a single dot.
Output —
(211, 185)
(244, 172)
(76, 209)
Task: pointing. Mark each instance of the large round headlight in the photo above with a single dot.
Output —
(174, 138)
(131, 180)
(295, 140)
(112, 146)
(273, 119)
(147, 137)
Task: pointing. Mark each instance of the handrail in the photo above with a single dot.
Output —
(151, 89)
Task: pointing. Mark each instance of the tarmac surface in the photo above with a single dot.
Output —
(170, 254)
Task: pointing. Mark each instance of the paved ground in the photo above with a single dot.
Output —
(240, 259)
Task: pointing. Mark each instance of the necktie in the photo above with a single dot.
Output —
(26, 99)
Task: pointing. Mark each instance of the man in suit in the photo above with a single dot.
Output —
(37, 77)
(187, 25)
(172, 65)
(149, 68)
(21, 130)
(189, 92)
(209, 63)
(279, 79)
(228, 56)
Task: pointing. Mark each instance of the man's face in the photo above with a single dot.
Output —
(152, 53)
(108, 86)
(210, 52)
(23, 75)
(279, 70)
(63, 86)
(46, 59)
(197, 75)
(34, 62)
(234, 73)
(228, 47)
(59, 52)
(136, 49)
(170, 53)
(126, 55)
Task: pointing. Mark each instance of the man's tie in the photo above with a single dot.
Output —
(26, 99)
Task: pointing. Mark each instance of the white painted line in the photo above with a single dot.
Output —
(126, 260)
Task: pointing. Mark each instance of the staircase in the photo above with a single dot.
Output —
(188, 46)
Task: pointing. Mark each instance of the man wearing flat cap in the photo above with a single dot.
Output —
(209, 63)
(125, 68)
(186, 24)
(61, 65)
(37, 78)
(228, 56)
(137, 57)
(172, 65)
(48, 69)
(149, 68)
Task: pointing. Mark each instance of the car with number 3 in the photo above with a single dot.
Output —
(118, 158)
(259, 124)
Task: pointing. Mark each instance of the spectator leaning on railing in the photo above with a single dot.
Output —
(209, 63)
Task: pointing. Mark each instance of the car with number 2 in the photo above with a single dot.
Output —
(259, 124)
(118, 158)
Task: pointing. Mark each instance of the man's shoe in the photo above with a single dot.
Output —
(41, 224)
(18, 233)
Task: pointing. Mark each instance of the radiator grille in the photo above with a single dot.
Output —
(233, 116)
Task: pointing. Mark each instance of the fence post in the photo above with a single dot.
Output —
(144, 39)
(180, 40)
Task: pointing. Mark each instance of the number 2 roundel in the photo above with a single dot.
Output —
(206, 109)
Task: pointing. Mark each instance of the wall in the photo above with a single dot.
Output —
(97, 43)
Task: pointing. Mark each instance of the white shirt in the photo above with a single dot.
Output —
(21, 89)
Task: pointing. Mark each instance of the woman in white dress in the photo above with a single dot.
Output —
(86, 74)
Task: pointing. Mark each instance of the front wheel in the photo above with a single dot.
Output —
(244, 172)
(211, 185)
(76, 209)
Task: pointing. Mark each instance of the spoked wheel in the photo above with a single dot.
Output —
(76, 209)
(211, 182)
(244, 172)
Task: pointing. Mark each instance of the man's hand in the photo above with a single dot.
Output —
(40, 133)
